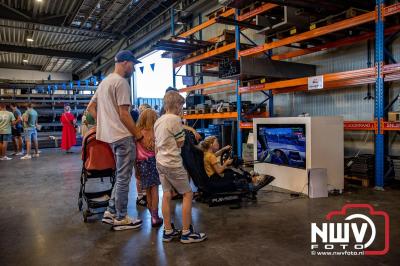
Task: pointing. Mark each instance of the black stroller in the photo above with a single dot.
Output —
(98, 163)
(214, 193)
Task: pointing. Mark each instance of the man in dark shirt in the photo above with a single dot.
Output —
(16, 130)
(135, 114)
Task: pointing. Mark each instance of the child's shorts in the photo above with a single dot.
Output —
(5, 137)
(174, 178)
(148, 173)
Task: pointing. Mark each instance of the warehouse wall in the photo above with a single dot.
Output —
(346, 102)
(19, 74)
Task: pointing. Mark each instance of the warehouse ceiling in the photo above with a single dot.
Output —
(65, 35)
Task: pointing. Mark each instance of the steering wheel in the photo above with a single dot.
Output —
(228, 154)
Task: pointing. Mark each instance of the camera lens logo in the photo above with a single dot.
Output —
(355, 235)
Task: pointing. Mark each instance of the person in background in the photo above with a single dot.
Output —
(17, 130)
(134, 113)
(87, 123)
(146, 163)
(141, 199)
(7, 120)
(30, 119)
(143, 107)
(68, 138)
(110, 106)
(170, 137)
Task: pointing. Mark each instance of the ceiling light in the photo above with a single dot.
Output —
(39, 1)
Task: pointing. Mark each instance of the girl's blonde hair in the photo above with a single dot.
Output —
(207, 143)
(147, 119)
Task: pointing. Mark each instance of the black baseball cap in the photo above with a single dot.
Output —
(171, 89)
(126, 55)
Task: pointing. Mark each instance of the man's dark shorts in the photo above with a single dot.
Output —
(16, 132)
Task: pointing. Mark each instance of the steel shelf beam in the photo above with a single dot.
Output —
(217, 51)
(371, 126)
(207, 85)
(335, 44)
(238, 95)
(206, 24)
(379, 95)
(360, 125)
(228, 13)
(229, 89)
(257, 11)
(346, 78)
(225, 115)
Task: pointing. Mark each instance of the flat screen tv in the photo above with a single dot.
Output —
(282, 144)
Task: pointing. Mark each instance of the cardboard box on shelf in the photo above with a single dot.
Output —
(394, 117)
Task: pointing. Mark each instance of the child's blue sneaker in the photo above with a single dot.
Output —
(173, 235)
(192, 236)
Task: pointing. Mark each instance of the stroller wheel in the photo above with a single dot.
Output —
(80, 203)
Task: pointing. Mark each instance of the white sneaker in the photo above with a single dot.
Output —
(108, 218)
(26, 157)
(126, 224)
(5, 158)
(35, 155)
(13, 154)
(19, 154)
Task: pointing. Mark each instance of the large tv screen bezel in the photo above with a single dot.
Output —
(288, 125)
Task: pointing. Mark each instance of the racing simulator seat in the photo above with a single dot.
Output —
(213, 192)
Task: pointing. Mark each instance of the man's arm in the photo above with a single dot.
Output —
(19, 119)
(13, 121)
(128, 122)
(92, 109)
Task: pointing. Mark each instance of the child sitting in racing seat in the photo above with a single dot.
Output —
(220, 174)
(210, 147)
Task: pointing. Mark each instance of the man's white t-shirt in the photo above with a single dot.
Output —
(112, 92)
(168, 131)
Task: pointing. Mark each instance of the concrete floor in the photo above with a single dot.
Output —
(40, 225)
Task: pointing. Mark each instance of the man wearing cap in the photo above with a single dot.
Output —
(110, 106)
